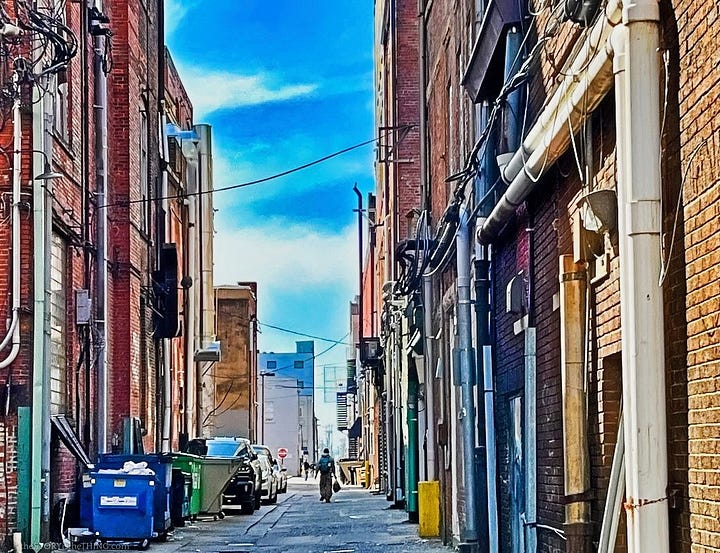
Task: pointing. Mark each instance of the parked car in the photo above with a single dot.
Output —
(270, 481)
(245, 487)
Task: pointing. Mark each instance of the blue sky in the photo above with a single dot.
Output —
(284, 83)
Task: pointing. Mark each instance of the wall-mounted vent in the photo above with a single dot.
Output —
(515, 295)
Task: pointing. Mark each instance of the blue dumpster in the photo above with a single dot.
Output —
(117, 506)
(161, 465)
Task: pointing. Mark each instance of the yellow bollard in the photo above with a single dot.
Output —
(429, 509)
(367, 474)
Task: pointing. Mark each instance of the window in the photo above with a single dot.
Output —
(299, 364)
(272, 364)
(58, 325)
(60, 109)
(58, 86)
(144, 182)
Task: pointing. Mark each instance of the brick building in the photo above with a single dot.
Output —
(388, 388)
(236, 375)
(592, 271)
(93, 288)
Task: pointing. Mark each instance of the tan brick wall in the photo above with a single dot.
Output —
(699, 115)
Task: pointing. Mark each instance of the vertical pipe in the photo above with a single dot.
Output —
(637, 67)
(40, 359)
(489, 393)
(513, 60)
(165, 238)
(411, 460)
(191, 391)
(482, 329)
(530, 437)
(467, 376)
(430, 417)
(573, 285)
(424, 180)
(482, 322)
(101, 162)
(47, 187)
(85, 430)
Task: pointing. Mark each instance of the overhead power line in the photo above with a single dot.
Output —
(336, 342)
(323, 352)
(252, 182)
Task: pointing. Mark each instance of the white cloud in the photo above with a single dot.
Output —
(291, 260)
(283, 256)
(175, 11)
(210, 90)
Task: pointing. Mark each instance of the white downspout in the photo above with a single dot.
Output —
(101, 177)
(14, 328)
(567, 108)
(191, 391)
(637, 89)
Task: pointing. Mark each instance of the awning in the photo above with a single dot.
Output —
(355, 431)
(499, 14)
(69, 438)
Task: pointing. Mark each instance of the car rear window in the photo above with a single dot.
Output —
(221, 449)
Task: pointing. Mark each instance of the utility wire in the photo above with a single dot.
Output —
(125, 203)
(336, 342)
(315, 356)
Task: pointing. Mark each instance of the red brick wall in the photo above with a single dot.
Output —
(67, 220)
(132, 89)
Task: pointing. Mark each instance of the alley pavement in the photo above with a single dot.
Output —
(355, 522)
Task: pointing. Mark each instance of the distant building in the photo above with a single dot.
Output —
(299, 366)
(236, 373)
(280, 419)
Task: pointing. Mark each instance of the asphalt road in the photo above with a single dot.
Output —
(355, 522)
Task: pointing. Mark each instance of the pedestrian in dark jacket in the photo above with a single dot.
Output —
(326, 468)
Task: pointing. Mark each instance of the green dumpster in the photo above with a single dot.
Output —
(215, 474)
(190, 464)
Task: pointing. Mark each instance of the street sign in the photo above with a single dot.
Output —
(282, 452)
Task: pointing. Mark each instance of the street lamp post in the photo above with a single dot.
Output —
(262, 385)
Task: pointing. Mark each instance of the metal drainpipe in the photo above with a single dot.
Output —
(637, 77)
(482, 330)
(167, 342)
(411, 460)
(429, 382)
(47, 185)
(40, 360)
(101, 163)
(467, 378)
(573, 284)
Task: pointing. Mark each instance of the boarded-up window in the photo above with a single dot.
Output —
(58, 325)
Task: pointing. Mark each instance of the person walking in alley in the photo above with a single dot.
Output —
(306, 467)
(326, 468)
